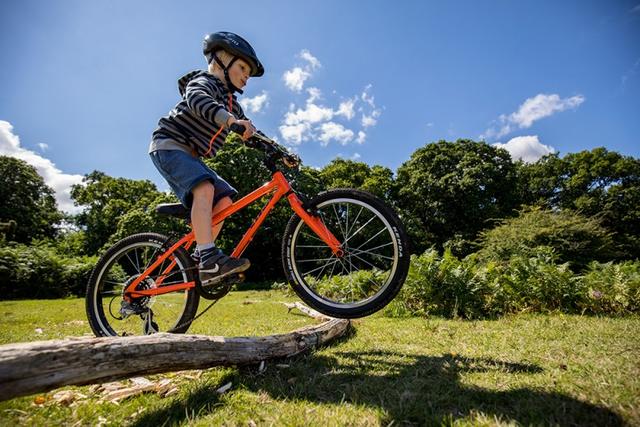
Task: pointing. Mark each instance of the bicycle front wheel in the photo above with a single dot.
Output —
(120, 266)
(371, 270)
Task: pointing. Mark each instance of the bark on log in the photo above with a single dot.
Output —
(41, 366)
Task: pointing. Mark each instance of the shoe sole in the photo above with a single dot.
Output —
(217, 279)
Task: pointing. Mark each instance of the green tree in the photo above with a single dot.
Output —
(597, 182)
(453, 190)
(106, 201)
(142, 219)
(26, 199)
(341, 173)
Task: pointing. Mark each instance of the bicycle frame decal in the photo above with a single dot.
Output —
(280, 187)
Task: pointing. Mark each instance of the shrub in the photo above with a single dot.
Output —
(575, 239)
(475, 288)
(39, 272)
(530, 283)
(442, 286)
(611, 288)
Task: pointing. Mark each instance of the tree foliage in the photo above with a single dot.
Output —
(340, 173)
(27, 200)
(574, 238)
(597, 182)
(453, 190)
(106, 200)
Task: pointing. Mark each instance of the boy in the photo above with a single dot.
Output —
(197, 127)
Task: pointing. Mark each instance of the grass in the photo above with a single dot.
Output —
(527, 369)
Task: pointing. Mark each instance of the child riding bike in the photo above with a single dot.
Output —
(197, 127)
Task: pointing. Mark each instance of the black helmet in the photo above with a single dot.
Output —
(235, 45)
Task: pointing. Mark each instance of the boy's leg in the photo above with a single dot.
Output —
(214, 265)
(223, 203)
(201, 212)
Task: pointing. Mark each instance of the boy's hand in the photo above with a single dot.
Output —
(249, 129)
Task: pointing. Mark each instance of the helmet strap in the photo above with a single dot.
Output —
(226, 73)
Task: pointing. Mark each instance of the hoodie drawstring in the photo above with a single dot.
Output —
(213, 138)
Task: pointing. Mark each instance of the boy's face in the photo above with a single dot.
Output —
(239, 73)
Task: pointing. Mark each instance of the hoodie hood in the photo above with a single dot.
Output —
(184, 80)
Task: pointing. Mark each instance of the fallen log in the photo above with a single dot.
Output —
(28, 368)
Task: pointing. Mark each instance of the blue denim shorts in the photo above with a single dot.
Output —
(183, 172)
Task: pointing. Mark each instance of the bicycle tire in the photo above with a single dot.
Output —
(295, 249)
(99, 299)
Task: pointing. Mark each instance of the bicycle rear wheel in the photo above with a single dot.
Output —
(375, 261)
(123, 263)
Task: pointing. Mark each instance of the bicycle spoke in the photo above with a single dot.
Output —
(317, 268)
(359, 229)
(315, 259)
(132, 264)
(356, 220)
(150, 260)
(135, 252)
(373, 237)
(339, 222)
(314, 237)
(325, 266)
(359, 252)
(367, 262)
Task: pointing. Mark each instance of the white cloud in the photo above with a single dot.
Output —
(311, 114)
(294, 79)
(43, 146)
(60, 182)
(295, 134)
(314, 94)
(369, 99)
(346, 109)
(356, 156)
(255, 104)
(370, 120)
(315, 121)
(312, 60)
(527, 148)
(533, 109)
(335, 131)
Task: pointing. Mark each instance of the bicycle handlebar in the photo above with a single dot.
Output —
(259, 140)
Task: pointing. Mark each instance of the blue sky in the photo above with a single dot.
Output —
(83, 83)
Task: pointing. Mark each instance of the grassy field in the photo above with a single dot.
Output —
(526, 369)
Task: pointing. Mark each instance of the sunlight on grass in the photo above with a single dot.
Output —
(526, 369)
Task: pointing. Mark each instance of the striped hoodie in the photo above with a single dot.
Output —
(202, 111)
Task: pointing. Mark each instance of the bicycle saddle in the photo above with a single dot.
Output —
(173, 209)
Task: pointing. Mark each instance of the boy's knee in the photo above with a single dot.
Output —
(203, 189)
(223, 203)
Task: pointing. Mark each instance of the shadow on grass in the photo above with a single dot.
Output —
(410, 389)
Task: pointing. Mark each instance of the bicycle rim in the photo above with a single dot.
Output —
(370, 259)
(159, 313)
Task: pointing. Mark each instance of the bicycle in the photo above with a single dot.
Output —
(345, 253)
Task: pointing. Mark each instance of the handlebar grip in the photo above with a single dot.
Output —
(239, 129)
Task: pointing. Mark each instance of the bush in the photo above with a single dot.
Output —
(475, 288)
(533, 283)
(442, 286)
(611, 288)
(575, 239)
(40, 272)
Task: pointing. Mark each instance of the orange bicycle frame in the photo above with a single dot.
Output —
(280, 188)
